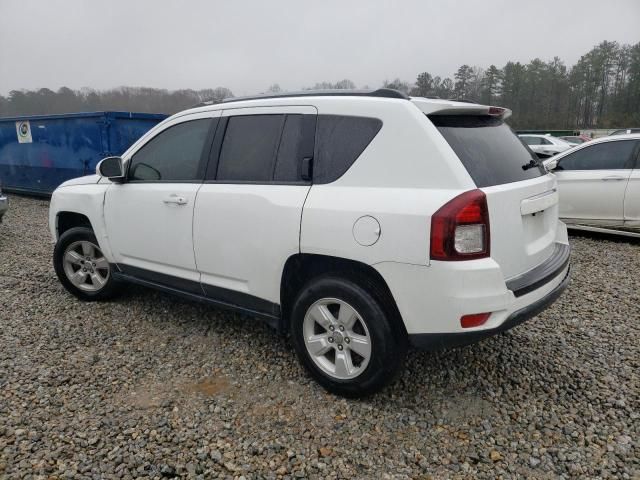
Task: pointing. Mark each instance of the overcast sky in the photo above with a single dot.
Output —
(248, 45)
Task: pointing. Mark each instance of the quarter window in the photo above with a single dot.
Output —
(613, 155)
(174, 155)
(339, 142)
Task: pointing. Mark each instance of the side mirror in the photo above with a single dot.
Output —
(550, 164)
(112, 168)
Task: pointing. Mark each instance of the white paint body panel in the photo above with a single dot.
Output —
(145, 232)
(239, 236)
(585, 195)
(600, 198)
(147, 228)
(87, 199)
(244, 234)
(632, 200)
(432, 299)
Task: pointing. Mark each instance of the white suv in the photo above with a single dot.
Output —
(358, 223)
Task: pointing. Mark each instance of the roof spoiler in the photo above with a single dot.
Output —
(455, 107)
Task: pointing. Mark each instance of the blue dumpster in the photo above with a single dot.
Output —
(38, 153)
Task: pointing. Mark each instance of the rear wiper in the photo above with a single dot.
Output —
(532, 163)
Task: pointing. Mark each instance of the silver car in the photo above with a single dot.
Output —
(4, 204)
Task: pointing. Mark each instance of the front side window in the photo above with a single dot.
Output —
(174, 155)
(601, 156)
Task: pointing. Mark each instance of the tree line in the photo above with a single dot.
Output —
(602, 90)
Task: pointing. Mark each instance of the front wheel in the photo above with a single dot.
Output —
(81, 267)
(345, 338)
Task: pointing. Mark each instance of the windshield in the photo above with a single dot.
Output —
(488, 149)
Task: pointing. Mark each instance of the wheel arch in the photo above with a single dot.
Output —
(66, 220)
(301, 268)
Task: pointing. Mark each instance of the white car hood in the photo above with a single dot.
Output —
(87, 180)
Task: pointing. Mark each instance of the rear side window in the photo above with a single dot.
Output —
(601, 156)
(265, 148)
(296, 143)
(249, 148)
(174, 155)
(532, 140)
(339, 142)
(488, 149)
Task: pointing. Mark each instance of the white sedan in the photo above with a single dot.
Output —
(545, 145)
(599, 184)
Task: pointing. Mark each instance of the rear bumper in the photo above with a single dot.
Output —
(4, 205)
(432, 299)
(542, 274)
(435, 341)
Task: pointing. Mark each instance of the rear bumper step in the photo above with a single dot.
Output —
(436, 341)
(543, 273)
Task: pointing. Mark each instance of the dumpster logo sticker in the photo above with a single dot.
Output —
(24, 132)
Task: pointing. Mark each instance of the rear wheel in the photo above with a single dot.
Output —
(81, 267)
(344, 337)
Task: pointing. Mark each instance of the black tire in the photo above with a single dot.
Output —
(71, 236)
(388, 338)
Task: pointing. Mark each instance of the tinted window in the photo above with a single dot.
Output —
(531, 140)
(249, 148)
(296, 143)
(173, 155)
(628, 130)
(339, 142)
(544, 141)
(601, 156)
(488, 149)
(573, 139)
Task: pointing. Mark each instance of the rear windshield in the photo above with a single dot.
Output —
(488, 149)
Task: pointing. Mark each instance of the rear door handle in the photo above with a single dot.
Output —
(615, 178)
(175, 199)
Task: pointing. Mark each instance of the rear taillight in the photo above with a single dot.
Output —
(460, 229)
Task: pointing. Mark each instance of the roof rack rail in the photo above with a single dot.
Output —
(206, 103)
(380, 92)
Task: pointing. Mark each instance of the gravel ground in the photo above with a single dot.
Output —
(153, 386)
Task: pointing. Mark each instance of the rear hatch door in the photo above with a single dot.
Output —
(521, 196)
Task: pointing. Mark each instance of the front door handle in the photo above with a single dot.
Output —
(615, 178)
(175, 199)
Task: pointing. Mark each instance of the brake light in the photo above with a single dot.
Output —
(497, 111)
(460, 228)
(474, 320)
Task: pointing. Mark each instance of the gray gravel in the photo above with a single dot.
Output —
(153, 386)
